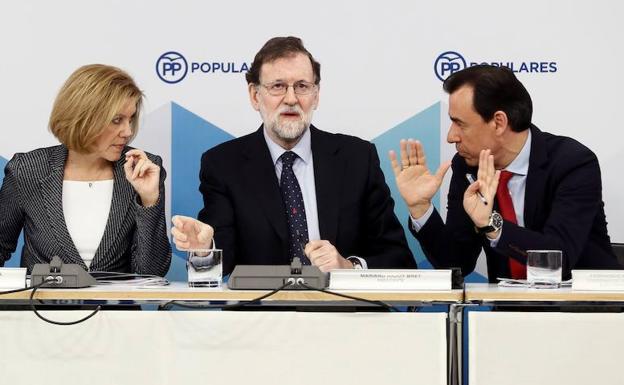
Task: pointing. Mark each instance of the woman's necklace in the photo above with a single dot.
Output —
(81, 175)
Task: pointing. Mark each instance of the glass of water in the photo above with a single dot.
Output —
(204, 267)
(544, 268)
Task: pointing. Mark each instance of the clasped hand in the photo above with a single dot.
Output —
(191, 234)
(143, 175)
(325, 256)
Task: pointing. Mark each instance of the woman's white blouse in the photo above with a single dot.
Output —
(86, 206)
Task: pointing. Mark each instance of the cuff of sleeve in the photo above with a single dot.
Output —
(418, 223)
(362, 261)
(150, 213)
(494, 242)
(137, 201)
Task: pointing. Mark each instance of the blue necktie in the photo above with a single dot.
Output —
(295, 210)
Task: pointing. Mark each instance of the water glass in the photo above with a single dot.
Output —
(204, 267)
(544, 268)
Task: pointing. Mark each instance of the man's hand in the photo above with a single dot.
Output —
(486, 184)
(191, 234)
(416, 184)
(324, 255)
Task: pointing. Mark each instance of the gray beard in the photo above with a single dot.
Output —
(289, 131)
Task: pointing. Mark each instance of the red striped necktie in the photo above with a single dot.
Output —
(505, 205)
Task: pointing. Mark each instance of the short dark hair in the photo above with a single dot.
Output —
(495, 89)
(277, 48)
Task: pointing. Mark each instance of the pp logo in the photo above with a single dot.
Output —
(171, 67)
(448, 63)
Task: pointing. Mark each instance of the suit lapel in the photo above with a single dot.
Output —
(259, 173)
(536, 177)
(51, 188)
(123, 197)
(328, 175)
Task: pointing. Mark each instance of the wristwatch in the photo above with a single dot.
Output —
(495, 223)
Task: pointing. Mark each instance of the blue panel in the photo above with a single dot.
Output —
(191, 136)
(424, 126)
(475, 278)
(15, 259)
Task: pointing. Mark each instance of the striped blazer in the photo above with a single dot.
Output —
(135, 238)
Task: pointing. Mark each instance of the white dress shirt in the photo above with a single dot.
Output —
(303, 167)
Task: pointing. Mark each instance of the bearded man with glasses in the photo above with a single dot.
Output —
(291, 190)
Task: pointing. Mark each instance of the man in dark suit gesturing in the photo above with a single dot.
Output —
(291, 190)
(532, 189)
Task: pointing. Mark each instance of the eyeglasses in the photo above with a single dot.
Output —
(280, 88)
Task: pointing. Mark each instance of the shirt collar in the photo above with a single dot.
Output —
(303, 148)
(520, 165)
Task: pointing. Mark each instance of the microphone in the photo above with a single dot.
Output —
(63, 275)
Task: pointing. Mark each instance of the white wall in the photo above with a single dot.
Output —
(377, 62)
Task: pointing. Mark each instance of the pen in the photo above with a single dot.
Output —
(471, 181)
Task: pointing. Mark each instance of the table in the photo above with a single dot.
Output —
(179, 291)
(259, 347)
(560, 347)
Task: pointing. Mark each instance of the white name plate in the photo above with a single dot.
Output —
(12, 277)
(385, 279)
(598, 280)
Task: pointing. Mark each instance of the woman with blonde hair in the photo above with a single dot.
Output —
(91, 200)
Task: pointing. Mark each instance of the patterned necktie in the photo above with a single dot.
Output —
(295, 210)
(505, 204)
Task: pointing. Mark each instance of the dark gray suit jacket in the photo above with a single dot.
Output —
(242, 200)
(563, 210)
(134, 240)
